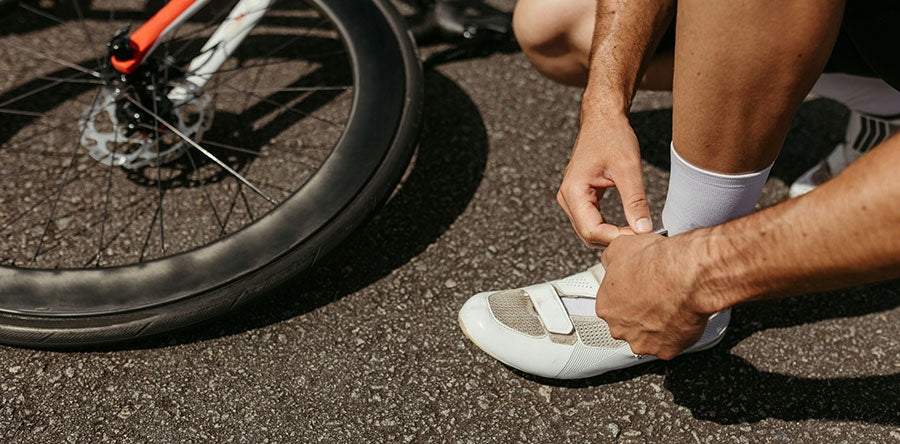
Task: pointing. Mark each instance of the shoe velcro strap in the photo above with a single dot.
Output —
(550, 308)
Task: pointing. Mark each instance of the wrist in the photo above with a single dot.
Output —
(603, 120)
(717, 269)
(604, 103)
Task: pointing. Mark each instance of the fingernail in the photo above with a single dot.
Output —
(643, 225)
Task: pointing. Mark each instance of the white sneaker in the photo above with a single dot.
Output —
(550, 330)
(863, 133)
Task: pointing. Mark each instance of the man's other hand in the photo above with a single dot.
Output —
(606, 155)
(648, 297)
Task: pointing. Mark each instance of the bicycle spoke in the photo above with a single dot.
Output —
(239, 191)
(162, 228)
(246, 202)
(33, 156)
(106, 198)
(279, 62)
(284, 107)
(62, 184)
(34, 114)
(231, 206)
(221, 145)
(271, 52)
(63, 22)
(54, 59)
(37, 204)
(31, 93)
(131, 222)
(205, 193)
(233, 148)
(300, 162)
(246, 105)
(81, 194)
(87, 34)
(297, 89)
(206, 153)
(277, 187)
(44, 14)
(31, 75)
(150, 231)
(215, 20)
(89, 223)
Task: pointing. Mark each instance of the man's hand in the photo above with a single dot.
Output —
(648, 296)
(606, 154)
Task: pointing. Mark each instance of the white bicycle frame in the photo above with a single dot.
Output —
(226, 38)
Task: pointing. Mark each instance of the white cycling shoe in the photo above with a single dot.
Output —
(864, 132)
(532, 330)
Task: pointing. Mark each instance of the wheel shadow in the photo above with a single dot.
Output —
(719, 386)
(438, 187)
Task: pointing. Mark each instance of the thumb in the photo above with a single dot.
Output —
(634, 200)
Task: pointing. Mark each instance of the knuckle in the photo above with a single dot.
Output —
(585, 238)
(590, 237)
(616, 333)
(636, 200)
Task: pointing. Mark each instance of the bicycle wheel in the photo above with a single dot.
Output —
(114, 226)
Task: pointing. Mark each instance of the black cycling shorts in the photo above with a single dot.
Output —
(869, 41)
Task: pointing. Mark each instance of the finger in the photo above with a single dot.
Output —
(589, 223)
(561, 201)
(630, 185)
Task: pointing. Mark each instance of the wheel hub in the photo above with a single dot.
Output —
(116, 133)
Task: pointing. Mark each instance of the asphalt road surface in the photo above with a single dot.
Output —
(366, 347)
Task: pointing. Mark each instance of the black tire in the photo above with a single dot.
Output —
(63, 308)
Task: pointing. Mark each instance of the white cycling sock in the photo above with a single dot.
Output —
(698, 198)
(868, 95)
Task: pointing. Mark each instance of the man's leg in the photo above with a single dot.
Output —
(556, 36)
(741, 72)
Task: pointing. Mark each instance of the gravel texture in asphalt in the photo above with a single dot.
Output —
(365, 347)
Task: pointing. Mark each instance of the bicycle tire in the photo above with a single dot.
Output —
(65, 308)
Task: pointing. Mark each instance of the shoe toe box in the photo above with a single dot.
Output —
(532, 353)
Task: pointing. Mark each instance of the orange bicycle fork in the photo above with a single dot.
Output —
(127, 52)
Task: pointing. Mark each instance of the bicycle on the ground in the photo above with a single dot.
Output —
(155, 176)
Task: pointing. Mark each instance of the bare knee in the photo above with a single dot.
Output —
(556, 36)
(540, 30)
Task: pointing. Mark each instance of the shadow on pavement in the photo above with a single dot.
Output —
(447, 169)
(719, 386)
(715, 385)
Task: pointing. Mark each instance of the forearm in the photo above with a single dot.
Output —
(626, 34)
(847, 232)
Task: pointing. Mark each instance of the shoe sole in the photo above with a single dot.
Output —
(466, 333)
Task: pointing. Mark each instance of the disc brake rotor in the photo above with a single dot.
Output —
(108, 142)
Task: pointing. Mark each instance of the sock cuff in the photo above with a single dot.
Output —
(711, 178)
